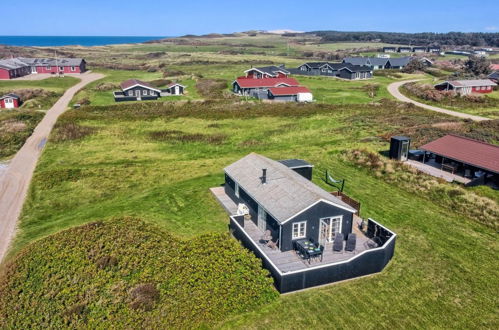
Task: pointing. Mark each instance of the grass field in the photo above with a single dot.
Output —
(155, 161)
(444, 271)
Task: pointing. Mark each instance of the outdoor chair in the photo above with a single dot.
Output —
(351, 242)
(273, 245)
(267, 236)
(338, 242)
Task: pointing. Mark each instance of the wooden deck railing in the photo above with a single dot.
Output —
(350, 201)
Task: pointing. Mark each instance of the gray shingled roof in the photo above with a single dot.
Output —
(338, 66)
(357, 60)
(11, 64)
(51, 61)
(271, 69)
(10, 95)
(286, 192)
(494, 75)
(400, 61)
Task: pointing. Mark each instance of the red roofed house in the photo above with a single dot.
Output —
(465, 87)
(10, 101)
(296, 94)
(467, 157)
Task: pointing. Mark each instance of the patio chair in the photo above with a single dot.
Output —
(267, 236)
(273, 245)
(351, 242)
(338, 242)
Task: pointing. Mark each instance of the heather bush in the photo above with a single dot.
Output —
(156, 281)
(67, 131)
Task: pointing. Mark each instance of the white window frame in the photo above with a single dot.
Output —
(48, 67)
(144, 92)
(130, 93)
(236, 190)
(61, 68)
(299, 229)
(8, 100)
(73, 68)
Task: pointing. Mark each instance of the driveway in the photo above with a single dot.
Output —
(42, 76)
(393, 89)
(14, 183)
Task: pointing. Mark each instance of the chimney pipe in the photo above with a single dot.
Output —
(264, 176)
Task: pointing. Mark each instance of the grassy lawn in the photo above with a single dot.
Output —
(445, 268)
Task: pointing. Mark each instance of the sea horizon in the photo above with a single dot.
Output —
(53, 41)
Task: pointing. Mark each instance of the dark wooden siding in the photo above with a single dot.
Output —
(313, 216)
(370, 262)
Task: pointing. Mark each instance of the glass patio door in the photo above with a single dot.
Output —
(328, 228)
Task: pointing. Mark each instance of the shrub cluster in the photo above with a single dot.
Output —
(67, 131)
(211, 88)
(183, 137)
(455, 198)
(15, 127)
(156, 281)
(106, 86)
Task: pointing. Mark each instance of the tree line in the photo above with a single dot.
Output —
(419, 39)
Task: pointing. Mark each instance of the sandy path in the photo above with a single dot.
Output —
(14, 183)
(393, 88)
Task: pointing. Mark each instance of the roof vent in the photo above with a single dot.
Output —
(264, 176)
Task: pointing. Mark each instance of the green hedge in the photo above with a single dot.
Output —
(125, 273)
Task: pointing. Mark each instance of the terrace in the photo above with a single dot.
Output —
(293, 270)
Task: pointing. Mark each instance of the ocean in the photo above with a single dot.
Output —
(46, 41)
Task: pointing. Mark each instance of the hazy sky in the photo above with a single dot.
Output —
(173, 18)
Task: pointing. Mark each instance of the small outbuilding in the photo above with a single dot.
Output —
(290, 94)
(173, 89)
(465, 87)
(10, 101)
(389, 49)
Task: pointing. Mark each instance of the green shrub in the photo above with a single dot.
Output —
(157, 279)
(71, 131)
(182, 137)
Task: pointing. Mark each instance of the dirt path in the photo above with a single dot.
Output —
(393, 88)
(14, 183)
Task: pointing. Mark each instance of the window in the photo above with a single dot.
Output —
(61, 68)
(144, 92)
(73, 68)
(299, 230)
(304, 68)
(236, 190)
(48, 67)
(130, 93)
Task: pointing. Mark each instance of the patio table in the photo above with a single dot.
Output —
(308, 249)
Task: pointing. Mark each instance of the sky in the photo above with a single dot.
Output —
(175, 18)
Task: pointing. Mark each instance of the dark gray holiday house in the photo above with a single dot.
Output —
(341, 70)
(304, 235)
